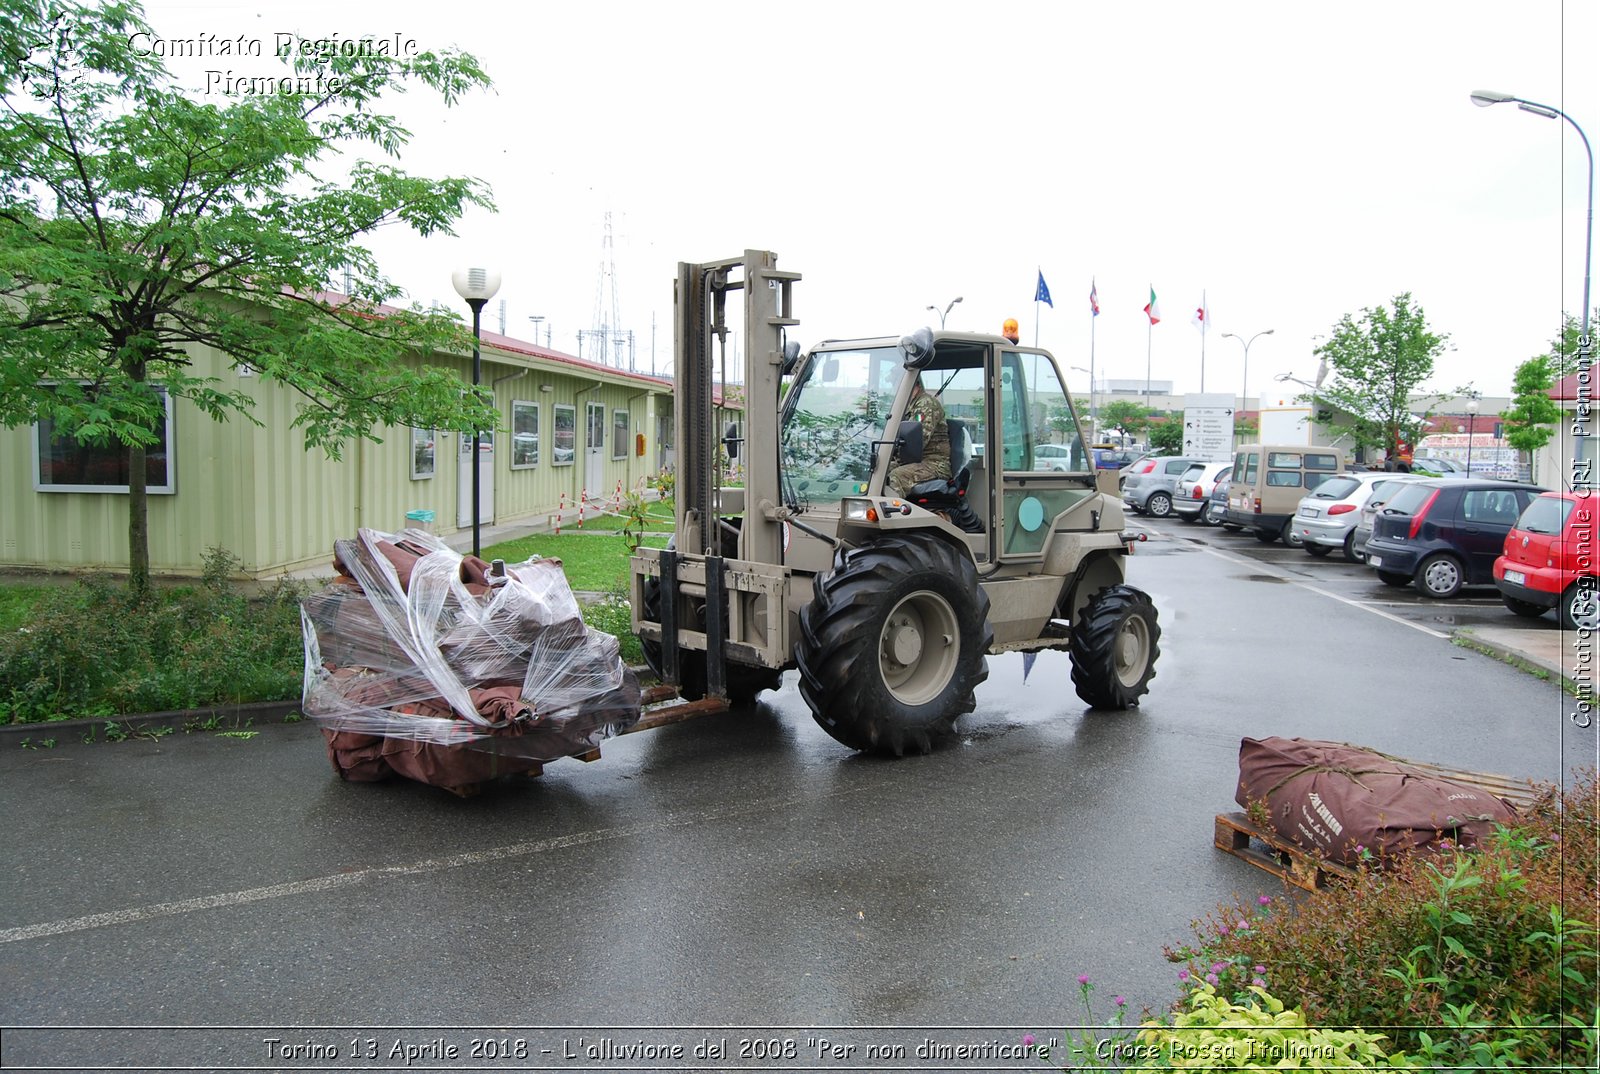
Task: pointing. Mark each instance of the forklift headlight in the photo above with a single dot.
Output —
(859, 511)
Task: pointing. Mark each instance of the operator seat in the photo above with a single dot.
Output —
(949, 497)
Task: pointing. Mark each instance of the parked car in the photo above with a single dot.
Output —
(1387, 486)
(1268, 482)
(1445, 533)
(1549, 561)
(1431, 466)
(1217, 503)
(1141, 463)
(1195, 487)
(1058, 457)
(1152, 491)
(1326, 519)
(1107, 458)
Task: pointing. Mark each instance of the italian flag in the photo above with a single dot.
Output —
(1153, 311)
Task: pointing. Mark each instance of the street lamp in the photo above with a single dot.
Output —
(946, 312)
(1244, 391)
(1483, 99)
(1093, 429)
(477, 286)
(1472, 428)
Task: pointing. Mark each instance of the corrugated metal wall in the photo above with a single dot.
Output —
(258, 492)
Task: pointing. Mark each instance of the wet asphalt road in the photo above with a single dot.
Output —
(741, 869)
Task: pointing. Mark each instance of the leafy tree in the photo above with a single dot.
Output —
(1166, 436)
(1377, 362)
(1531, 420)
(1061, 422)
(1125, 416)
(135, 221)
(1563, 352)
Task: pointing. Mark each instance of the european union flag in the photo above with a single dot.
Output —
(1043, 294)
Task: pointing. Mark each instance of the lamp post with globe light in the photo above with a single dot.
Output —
(1472, 428)
(477, 286)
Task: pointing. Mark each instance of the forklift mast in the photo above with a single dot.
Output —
(700, 354)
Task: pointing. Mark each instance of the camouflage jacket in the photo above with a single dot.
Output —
(935, 434)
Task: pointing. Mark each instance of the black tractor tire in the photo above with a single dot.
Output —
(1114, 648)
(1316, 550)
(892, 645)
(1159, 505)
(1440, 576)
(1579, 605)
(1522, 608)
(741, 681)
(1394, 579)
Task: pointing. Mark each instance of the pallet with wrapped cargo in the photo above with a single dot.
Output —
(1305, 868)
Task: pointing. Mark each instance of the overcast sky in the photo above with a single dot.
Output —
(1290, 162)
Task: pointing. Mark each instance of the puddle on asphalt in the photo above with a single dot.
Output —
(1264, 578)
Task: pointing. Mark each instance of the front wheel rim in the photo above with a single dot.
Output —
(1132, 650)
(919, 647)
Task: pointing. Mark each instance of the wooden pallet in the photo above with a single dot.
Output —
(1301, 867)
(1239, 836)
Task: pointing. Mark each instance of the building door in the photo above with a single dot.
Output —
(485, 479)
(594, 474)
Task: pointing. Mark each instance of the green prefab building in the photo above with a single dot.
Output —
(572, 434)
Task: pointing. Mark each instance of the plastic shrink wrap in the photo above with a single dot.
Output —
(419, 661)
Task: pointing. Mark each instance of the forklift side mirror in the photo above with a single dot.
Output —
(917, 348)
(908, 441)
(731, 438)
(791, 359)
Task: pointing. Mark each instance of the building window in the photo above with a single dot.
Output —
(524, 435)
(423, 453)
(64, 464)
(565, 445)
(619, 434)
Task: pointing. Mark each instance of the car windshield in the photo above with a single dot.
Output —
(1336, 488)
(1545, 515)
(835, 410)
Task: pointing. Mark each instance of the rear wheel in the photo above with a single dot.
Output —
(1350, 552)
(1390, 578)
(892, 644)
(1159, 505)
(1580, 606)
(1522, 607)
(1317, 550)
(1440, 576)
(1290, 537)
(1114, 648)
(1266, 536)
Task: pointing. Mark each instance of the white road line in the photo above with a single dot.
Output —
(342, 880)
(1257, 565)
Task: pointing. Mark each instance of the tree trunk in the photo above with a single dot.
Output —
(138, 512)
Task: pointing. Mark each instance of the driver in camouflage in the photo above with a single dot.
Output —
(926, 410)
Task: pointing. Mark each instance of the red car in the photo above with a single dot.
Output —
(1550, 560)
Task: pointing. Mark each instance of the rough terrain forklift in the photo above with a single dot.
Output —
(886, 604)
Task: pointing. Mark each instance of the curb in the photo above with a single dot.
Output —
(231, 717)
(1467, 638)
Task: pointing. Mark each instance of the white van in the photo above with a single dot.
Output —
(1268, 482)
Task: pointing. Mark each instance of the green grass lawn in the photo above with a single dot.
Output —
(17, 603)
(593, 562)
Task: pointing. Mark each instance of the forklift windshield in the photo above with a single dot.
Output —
(836, 408)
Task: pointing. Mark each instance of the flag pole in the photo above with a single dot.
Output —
(1149, 337)
(1036, 319)
(1094, 415)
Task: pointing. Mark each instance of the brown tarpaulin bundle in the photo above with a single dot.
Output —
(1339, 799)
(421, 662)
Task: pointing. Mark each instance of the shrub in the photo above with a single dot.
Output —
(93, 649)
(1445, 949)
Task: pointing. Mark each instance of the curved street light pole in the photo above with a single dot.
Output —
(946, 312)
(1244, 391)
(1485, 98)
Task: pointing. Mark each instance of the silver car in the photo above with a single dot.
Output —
(1326, 518)
(1195, 488)
(1152, 492)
